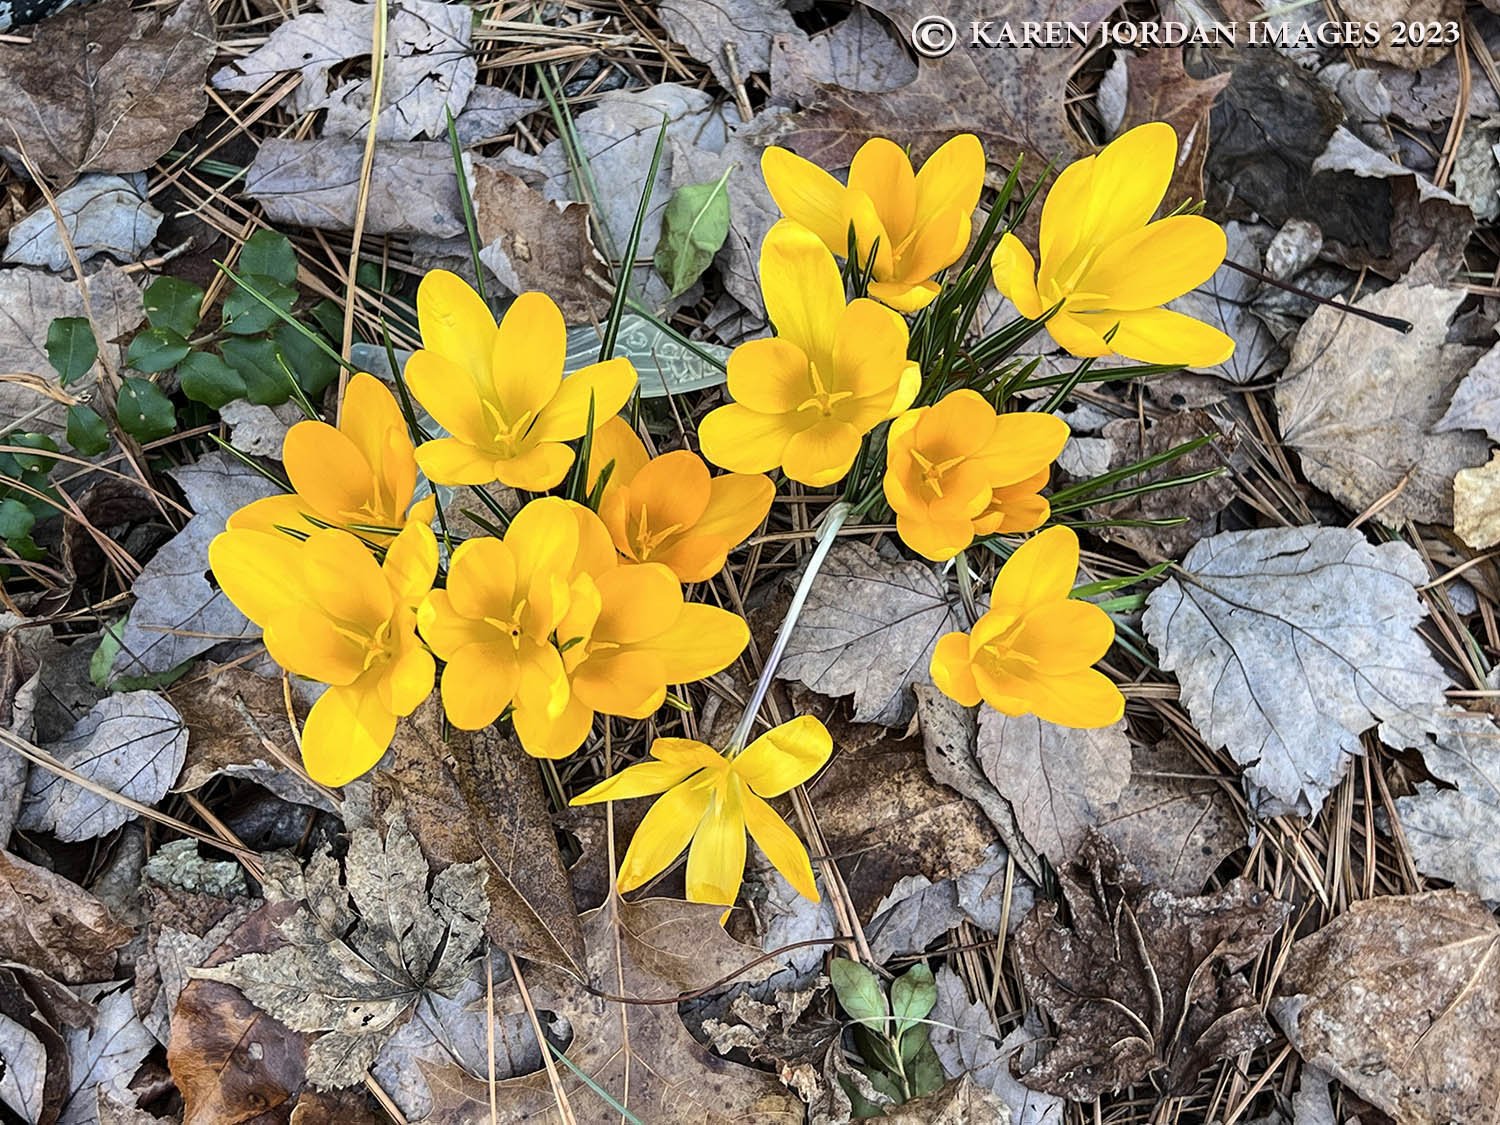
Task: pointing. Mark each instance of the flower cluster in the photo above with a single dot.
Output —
(580, 609)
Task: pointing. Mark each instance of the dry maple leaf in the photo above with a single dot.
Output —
(1013, 98)
(1399, 999)
(1143, 984)
(55, 925)
(104, 88)
(641, 1054)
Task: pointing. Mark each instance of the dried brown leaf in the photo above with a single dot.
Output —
(1159, 89)
(1142, 984)
(531, 242)
(1055, 778)
(54, 925)
(233, 1064)
(477, 796)
(712, 30)
(1399, 999)
(1013, 98)
(642, 1055)
(104, 87)
(868, 630)
(1360, 404)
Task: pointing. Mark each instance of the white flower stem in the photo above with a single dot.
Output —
(833, 520)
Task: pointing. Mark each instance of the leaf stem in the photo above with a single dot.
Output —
(833, 520)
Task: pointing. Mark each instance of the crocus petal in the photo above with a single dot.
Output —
(553, 736)
(1097, 200)
(450, 395)
(952, 177)
(1013, 511)
(674, 489)
(1079, 337)
(785, 756)
(716, 858)
(687, 753)
(346, 733)
(544, 537)
(870, 354)
(903, 296)
(616, 442)
(1065, 637)
(636, 602)
(479, 683)
(259, 571)
(529, 349)
(344, 579)
(870, 233)
(953, 672)
(629, 683)
(702, 641)
(1156, 264)
(821, 454)
(803, 289)
(1164, 336)
(781, 846)
(608, 385)
(1042, 569)
(327, 469)
(1084, 699)
(369, 413)
(539, 468)
(411, 563)
(936, 246)
(407, 681)
(270, 513)
(663, 833)
(311, 646)
(882, 171)
(1025, 443)
(644, 780)
(445, 630)
(769, 376)
(451, 461)
(737, 503)
(482, 579)
(938, 540)
(742, 440)
(455, 323)
(808, 195)
(1015, 276)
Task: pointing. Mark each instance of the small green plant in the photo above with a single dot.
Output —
(26, 493)
(890, 1032)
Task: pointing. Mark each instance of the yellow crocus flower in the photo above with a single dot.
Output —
(1105, 265)
(708, 802)
(918, 223)
(668, 509)
(361, 474)
(499, 390)
(805, 398)
(331, 613)
(627, 635)
(958, 470)
(493, 623)
(1032, 652)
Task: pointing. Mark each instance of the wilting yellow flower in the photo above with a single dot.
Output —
(1032, 652)
(804, 399)
(1108, 266)
(331, 613)
(668, 509)
(493, 623)
(917, 223)
(708, 801)
(361, 474)
(957, 470)
(627, 635)
(499, 390)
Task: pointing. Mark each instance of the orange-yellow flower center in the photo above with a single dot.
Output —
(510, 628)
(998, 655)
(822, 399)
(507, 436)
(933, 471)
(645, 541)
(379, 646)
